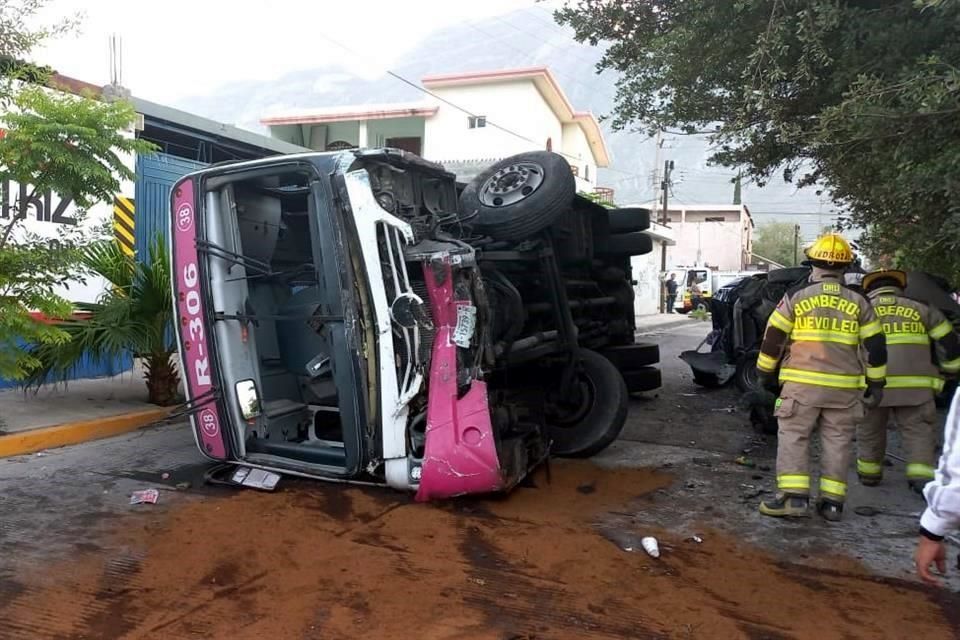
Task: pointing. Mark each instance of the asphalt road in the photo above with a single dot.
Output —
(700, 433)
(64, 509)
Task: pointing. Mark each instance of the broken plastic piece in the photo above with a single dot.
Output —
(255, 478)
(651, 546)
(147, 496)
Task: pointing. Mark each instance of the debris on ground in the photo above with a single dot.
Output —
(744, 461)
(651, 546)
(255, 478)
(164, 476)
(146, 496)
(696, 539)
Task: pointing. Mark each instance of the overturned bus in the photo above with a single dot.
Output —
(361, 316)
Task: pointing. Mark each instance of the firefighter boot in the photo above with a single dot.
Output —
(786, 505)
(869, 472)
(830, 510)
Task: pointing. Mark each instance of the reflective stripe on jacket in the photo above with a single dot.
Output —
(825, 324)
(911, 328)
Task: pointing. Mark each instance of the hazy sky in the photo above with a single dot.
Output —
(177, 48)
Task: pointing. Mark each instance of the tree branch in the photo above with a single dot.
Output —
(17, 217)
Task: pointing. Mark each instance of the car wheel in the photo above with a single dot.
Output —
(708, 380)
(746, 378)
(626, 244)
(519, 196)
(585, 422)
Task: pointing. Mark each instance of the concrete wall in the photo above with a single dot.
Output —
(345, 131)
(517, 106)
(575, 144)
(646, 271)
(379, 130)
(724, 245)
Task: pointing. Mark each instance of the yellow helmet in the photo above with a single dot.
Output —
(831, 249)
(893, 277)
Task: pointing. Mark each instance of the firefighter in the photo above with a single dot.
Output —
(918, 338)
(817, 333)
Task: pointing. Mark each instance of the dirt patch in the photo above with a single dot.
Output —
(325, 562)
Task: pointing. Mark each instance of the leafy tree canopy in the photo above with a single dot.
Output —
(862, 96)
(774, 241)
(52, 142)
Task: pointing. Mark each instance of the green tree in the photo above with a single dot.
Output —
(133, 316)
(52, 142)
(774, 241)
(862, 97)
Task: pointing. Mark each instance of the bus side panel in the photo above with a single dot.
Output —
(191, 325)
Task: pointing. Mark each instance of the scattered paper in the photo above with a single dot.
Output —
(147, 496)
(256, 478)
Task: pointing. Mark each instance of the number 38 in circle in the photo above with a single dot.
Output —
(208, 423)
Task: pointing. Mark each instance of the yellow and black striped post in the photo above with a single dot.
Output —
(123, 221)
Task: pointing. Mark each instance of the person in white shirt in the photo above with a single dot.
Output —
(942, 515)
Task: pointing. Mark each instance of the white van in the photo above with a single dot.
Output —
(707, 280)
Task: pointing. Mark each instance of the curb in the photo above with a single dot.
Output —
(686, 322)
(61, 435)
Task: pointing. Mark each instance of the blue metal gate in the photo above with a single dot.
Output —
(156, 174)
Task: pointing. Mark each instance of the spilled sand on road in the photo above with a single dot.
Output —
(328, 562)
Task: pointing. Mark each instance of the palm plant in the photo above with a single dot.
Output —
(133, 316)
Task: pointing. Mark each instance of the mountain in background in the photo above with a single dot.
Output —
(523, 38)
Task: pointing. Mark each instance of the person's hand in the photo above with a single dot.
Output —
(930, 552)
(873, 396)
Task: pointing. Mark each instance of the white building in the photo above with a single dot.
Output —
(716, 235)
(470, 121)
(647, 270)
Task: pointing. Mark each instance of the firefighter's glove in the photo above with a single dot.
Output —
(769, 381)
(873, 396)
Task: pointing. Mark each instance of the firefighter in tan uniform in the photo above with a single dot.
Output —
(919, 338)
(815, 336)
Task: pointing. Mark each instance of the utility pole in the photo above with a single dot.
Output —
(656, 176)
(665, 188)
(796, 244)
